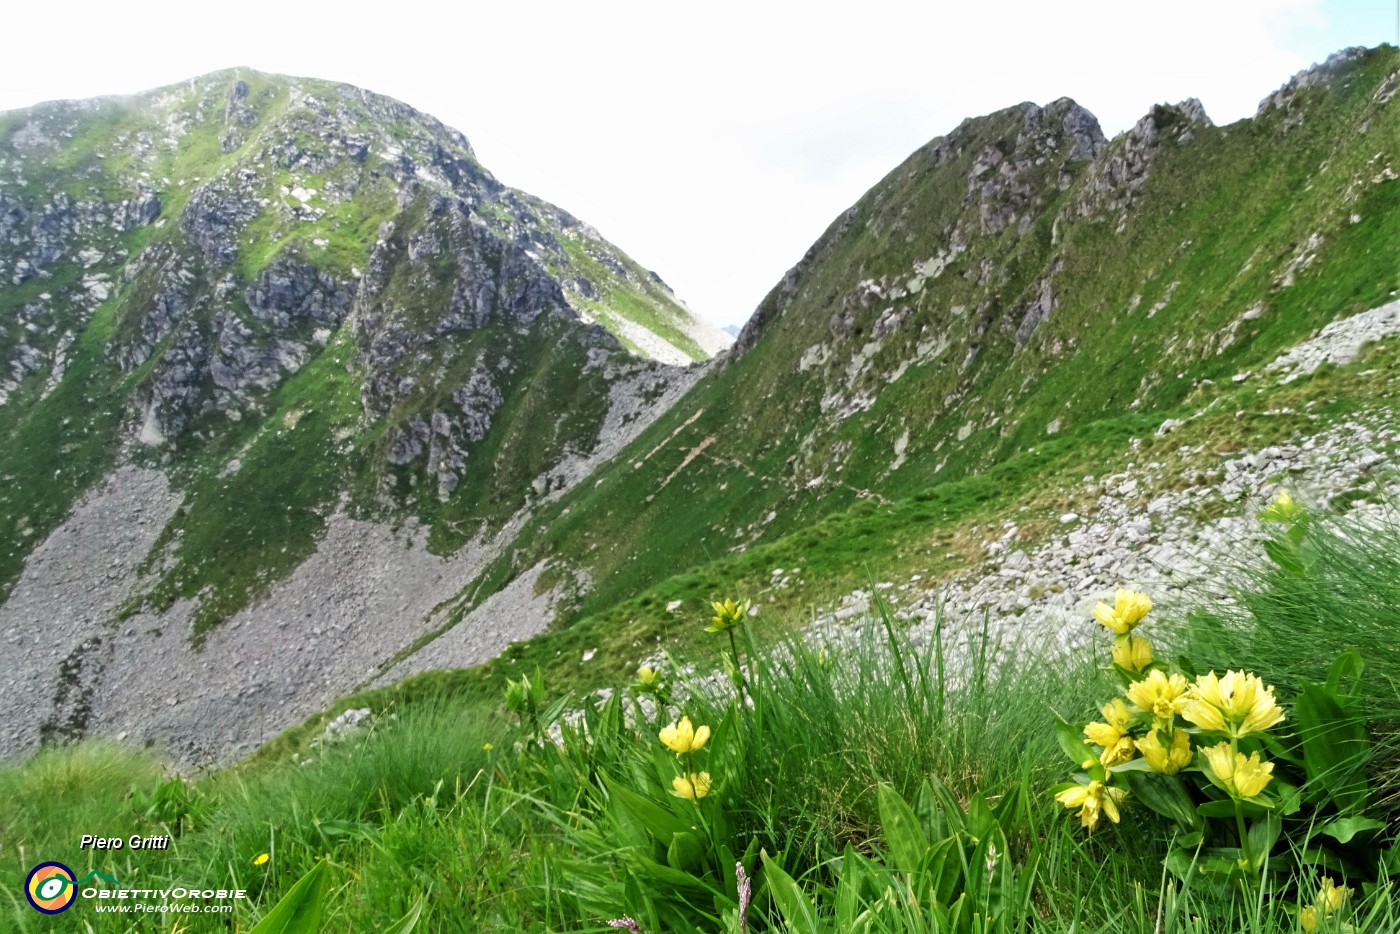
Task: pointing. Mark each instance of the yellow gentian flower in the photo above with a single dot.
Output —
(1330, 899)
(1133, 653)
(1092, 799)
(1166, 759)
(646, 676)
(1162, 695)
(1331, 896)
(1221, 758)
(1117, 715)
(727, 615)
(1237, 704)
(682, 738)
(1242, 777)
(692, 786)
(1282, 509)
(1129, 607)
(1112, 736)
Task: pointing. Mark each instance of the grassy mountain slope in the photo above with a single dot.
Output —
(295, 296)
(1018, 298)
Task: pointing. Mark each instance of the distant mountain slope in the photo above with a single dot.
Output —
(1018, 279)
(295, 300)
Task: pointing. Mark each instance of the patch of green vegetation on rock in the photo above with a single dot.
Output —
(53, 449)
(245, 526)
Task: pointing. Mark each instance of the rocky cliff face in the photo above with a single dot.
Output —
(269, 236)
(285, 303)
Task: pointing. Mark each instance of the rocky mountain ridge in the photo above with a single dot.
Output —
(1017, 290)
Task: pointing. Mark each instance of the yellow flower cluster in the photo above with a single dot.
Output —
(1160, 694)
(1237, 704)
(728, 615)
(1143, 721)
(1163, 758)
(1161, 716)
(1133, 653)
(1151, 708)
(1096, 798)
(1112, 735)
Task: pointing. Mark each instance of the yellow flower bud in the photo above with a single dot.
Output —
(1282, 509)
(1166, 759)
(1331, 896)
(1133, 653)
(692, 786)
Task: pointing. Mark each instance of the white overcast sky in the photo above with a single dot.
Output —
(711, 141)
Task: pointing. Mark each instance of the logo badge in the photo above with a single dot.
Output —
(50, 888)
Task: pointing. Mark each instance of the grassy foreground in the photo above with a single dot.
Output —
(888, 783)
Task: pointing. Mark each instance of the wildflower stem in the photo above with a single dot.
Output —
(688, 765)
(1244, 835)
(738, 668)
(938, 667)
